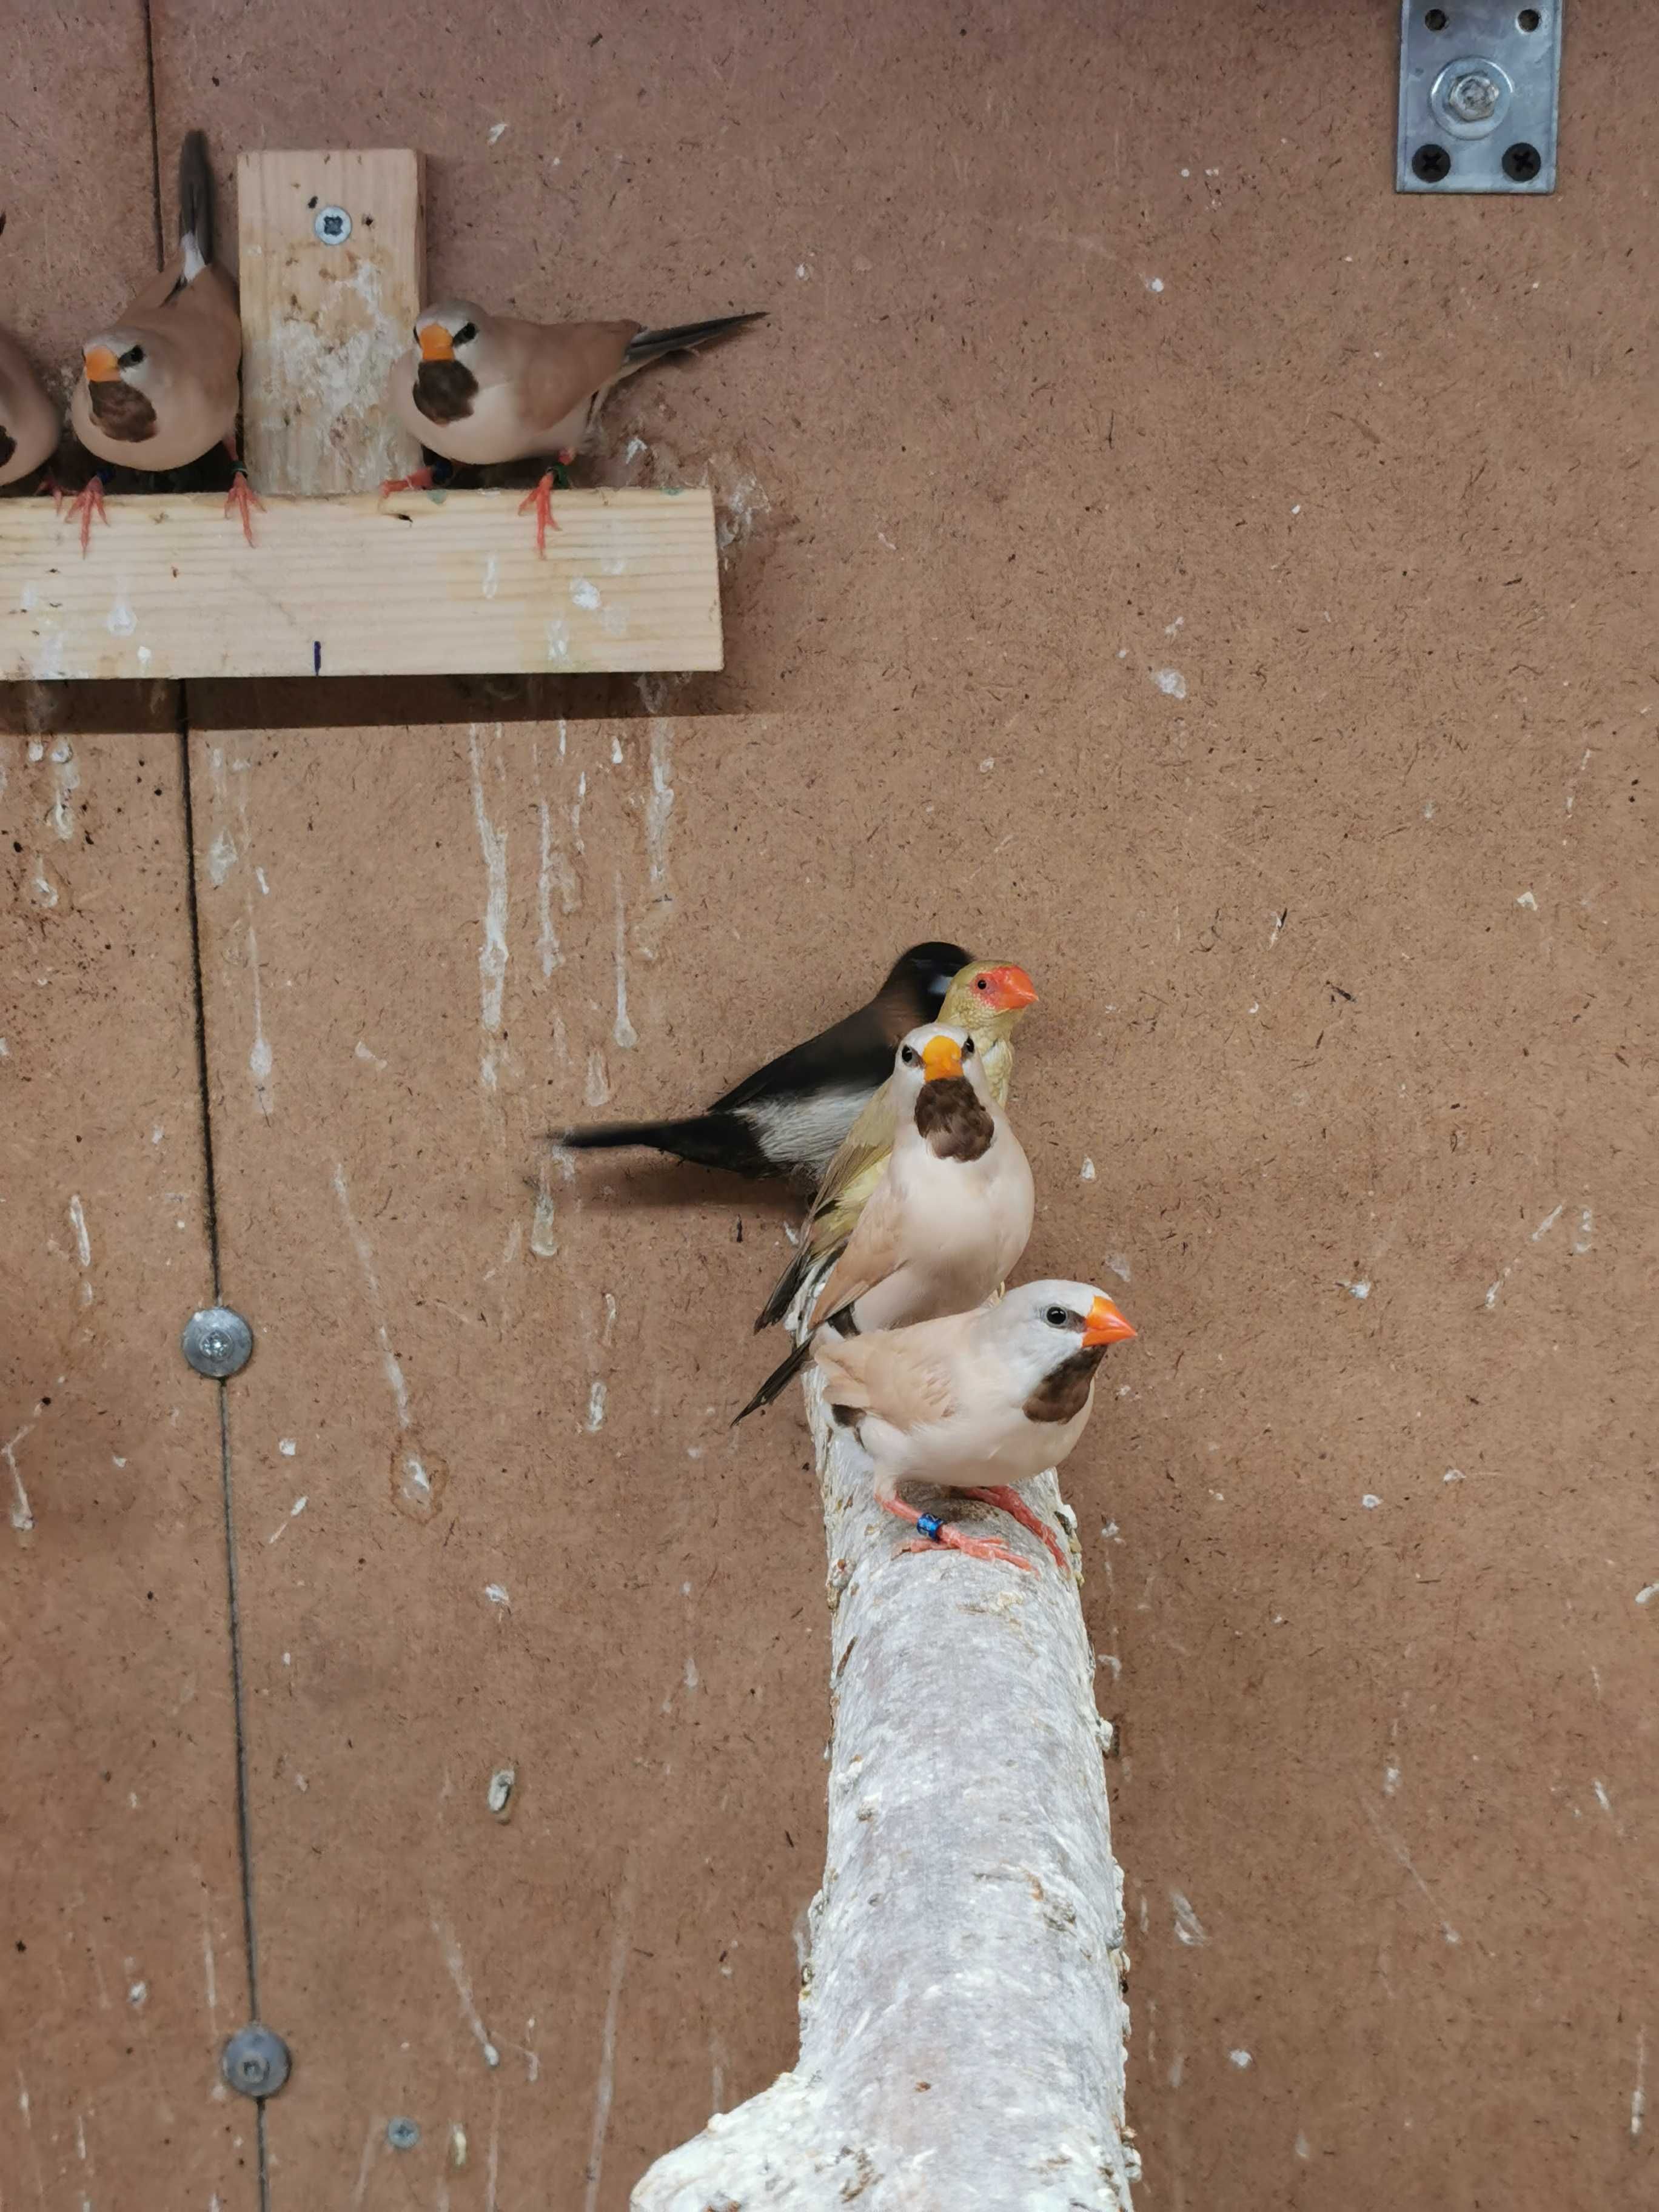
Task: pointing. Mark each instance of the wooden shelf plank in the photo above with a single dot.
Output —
(323, 323)
(445, 584)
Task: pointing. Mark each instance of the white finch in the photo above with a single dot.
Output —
(481, 388)
(160, 388)
(788, 1118)
(950, 1215)
(976, 1403)
(985, 997)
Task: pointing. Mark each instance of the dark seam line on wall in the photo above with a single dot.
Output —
(234, 1610)
(155, 128)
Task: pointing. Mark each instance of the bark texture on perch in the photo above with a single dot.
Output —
(962, 2017)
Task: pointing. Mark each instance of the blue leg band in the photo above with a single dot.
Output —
(928, 1524)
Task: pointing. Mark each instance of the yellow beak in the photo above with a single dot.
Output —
(436, 344)
(941, 1057)
(102, 367)
(1105, 1324)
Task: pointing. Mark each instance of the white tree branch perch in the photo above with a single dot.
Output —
(963, 2023)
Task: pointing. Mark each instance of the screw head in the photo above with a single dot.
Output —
(1522, 163)
(332, 225)
(401, 2133)
(1474, 97)
(217, 1342)
(1431, 163)
(255, 2061)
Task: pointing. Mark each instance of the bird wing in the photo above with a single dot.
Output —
(874, 1250)
(562, 364)
(854, 1172)
(906, 1376)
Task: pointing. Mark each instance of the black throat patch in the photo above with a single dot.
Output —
(949, 1114)
(121, 410)
(445, 391)
(1062, 1395)
(8, 447)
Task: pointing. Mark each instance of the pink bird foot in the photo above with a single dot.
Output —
(1011, 1501)
(89, 505)
(243, 498)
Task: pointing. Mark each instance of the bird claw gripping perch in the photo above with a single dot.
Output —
(243, 499)
(89, 505)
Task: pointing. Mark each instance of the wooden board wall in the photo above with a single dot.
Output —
(1156, 552)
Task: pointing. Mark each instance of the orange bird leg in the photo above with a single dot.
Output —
(89, 504)
(935, 1532)
(1015, 1507)
(541, 500)
(419, 479)
(243, 499)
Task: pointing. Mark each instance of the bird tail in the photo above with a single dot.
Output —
(681, 338)
(708, 1140)
(784, 1373)
(195, 205)
(786, 1370)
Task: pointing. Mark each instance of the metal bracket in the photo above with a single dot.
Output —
(1477, 87)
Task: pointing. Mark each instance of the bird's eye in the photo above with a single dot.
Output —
(969, 1049)
(983, 983)
(1057, 1317)
(466, 334)
(131, 357)
(908, 1057)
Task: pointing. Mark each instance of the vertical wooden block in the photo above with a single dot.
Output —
(324, 317)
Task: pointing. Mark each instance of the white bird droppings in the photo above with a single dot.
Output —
(496, 1593)
(596, 1401)
(497, 132)
(1154, 283)
(1527, 901)
(1646, 1596)
(1361, 1290)
(1188, 1927)
(1241, 2059)
(288, 1447)
(1170, 682)
(1086, 1173)
(1370, 1501)
(584, 594)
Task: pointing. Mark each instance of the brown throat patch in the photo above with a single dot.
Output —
(951, 1117)
(445, 391)
(121, 411)
(1061, 1396)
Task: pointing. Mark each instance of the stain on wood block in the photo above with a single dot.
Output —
(323, 317)
(446, 584)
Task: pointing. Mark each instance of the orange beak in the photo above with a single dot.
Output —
(941, 1057)
(102, 367)
(1009, 988)
(436, 344)
(1105, 1324)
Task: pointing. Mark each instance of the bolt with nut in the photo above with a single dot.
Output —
(1474, 97)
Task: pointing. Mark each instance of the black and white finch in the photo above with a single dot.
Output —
(789, 1117)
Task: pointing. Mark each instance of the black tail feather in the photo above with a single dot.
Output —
(782, 1374)
(708, 1140)
(790, 1284)
(196, 193)
(681, 337)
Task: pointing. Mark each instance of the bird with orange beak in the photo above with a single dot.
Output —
(481, 388)
(950, 1212)
(985, 997)
(977, 1404)
(160, 388)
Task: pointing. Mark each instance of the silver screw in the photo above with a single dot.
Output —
(332, 225)
(402, 2134)
(1475, 96)
(217, 1342)
(255, 2061)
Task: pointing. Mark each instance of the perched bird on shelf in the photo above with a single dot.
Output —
(159, 388)
(477, 387)
(950, 1214)
(977, 1403)
(788, 1118)
(28, 420)
(985, 997)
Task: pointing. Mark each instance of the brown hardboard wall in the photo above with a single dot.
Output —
(1152, 551)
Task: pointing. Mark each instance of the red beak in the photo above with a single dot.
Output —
(1009, 988)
